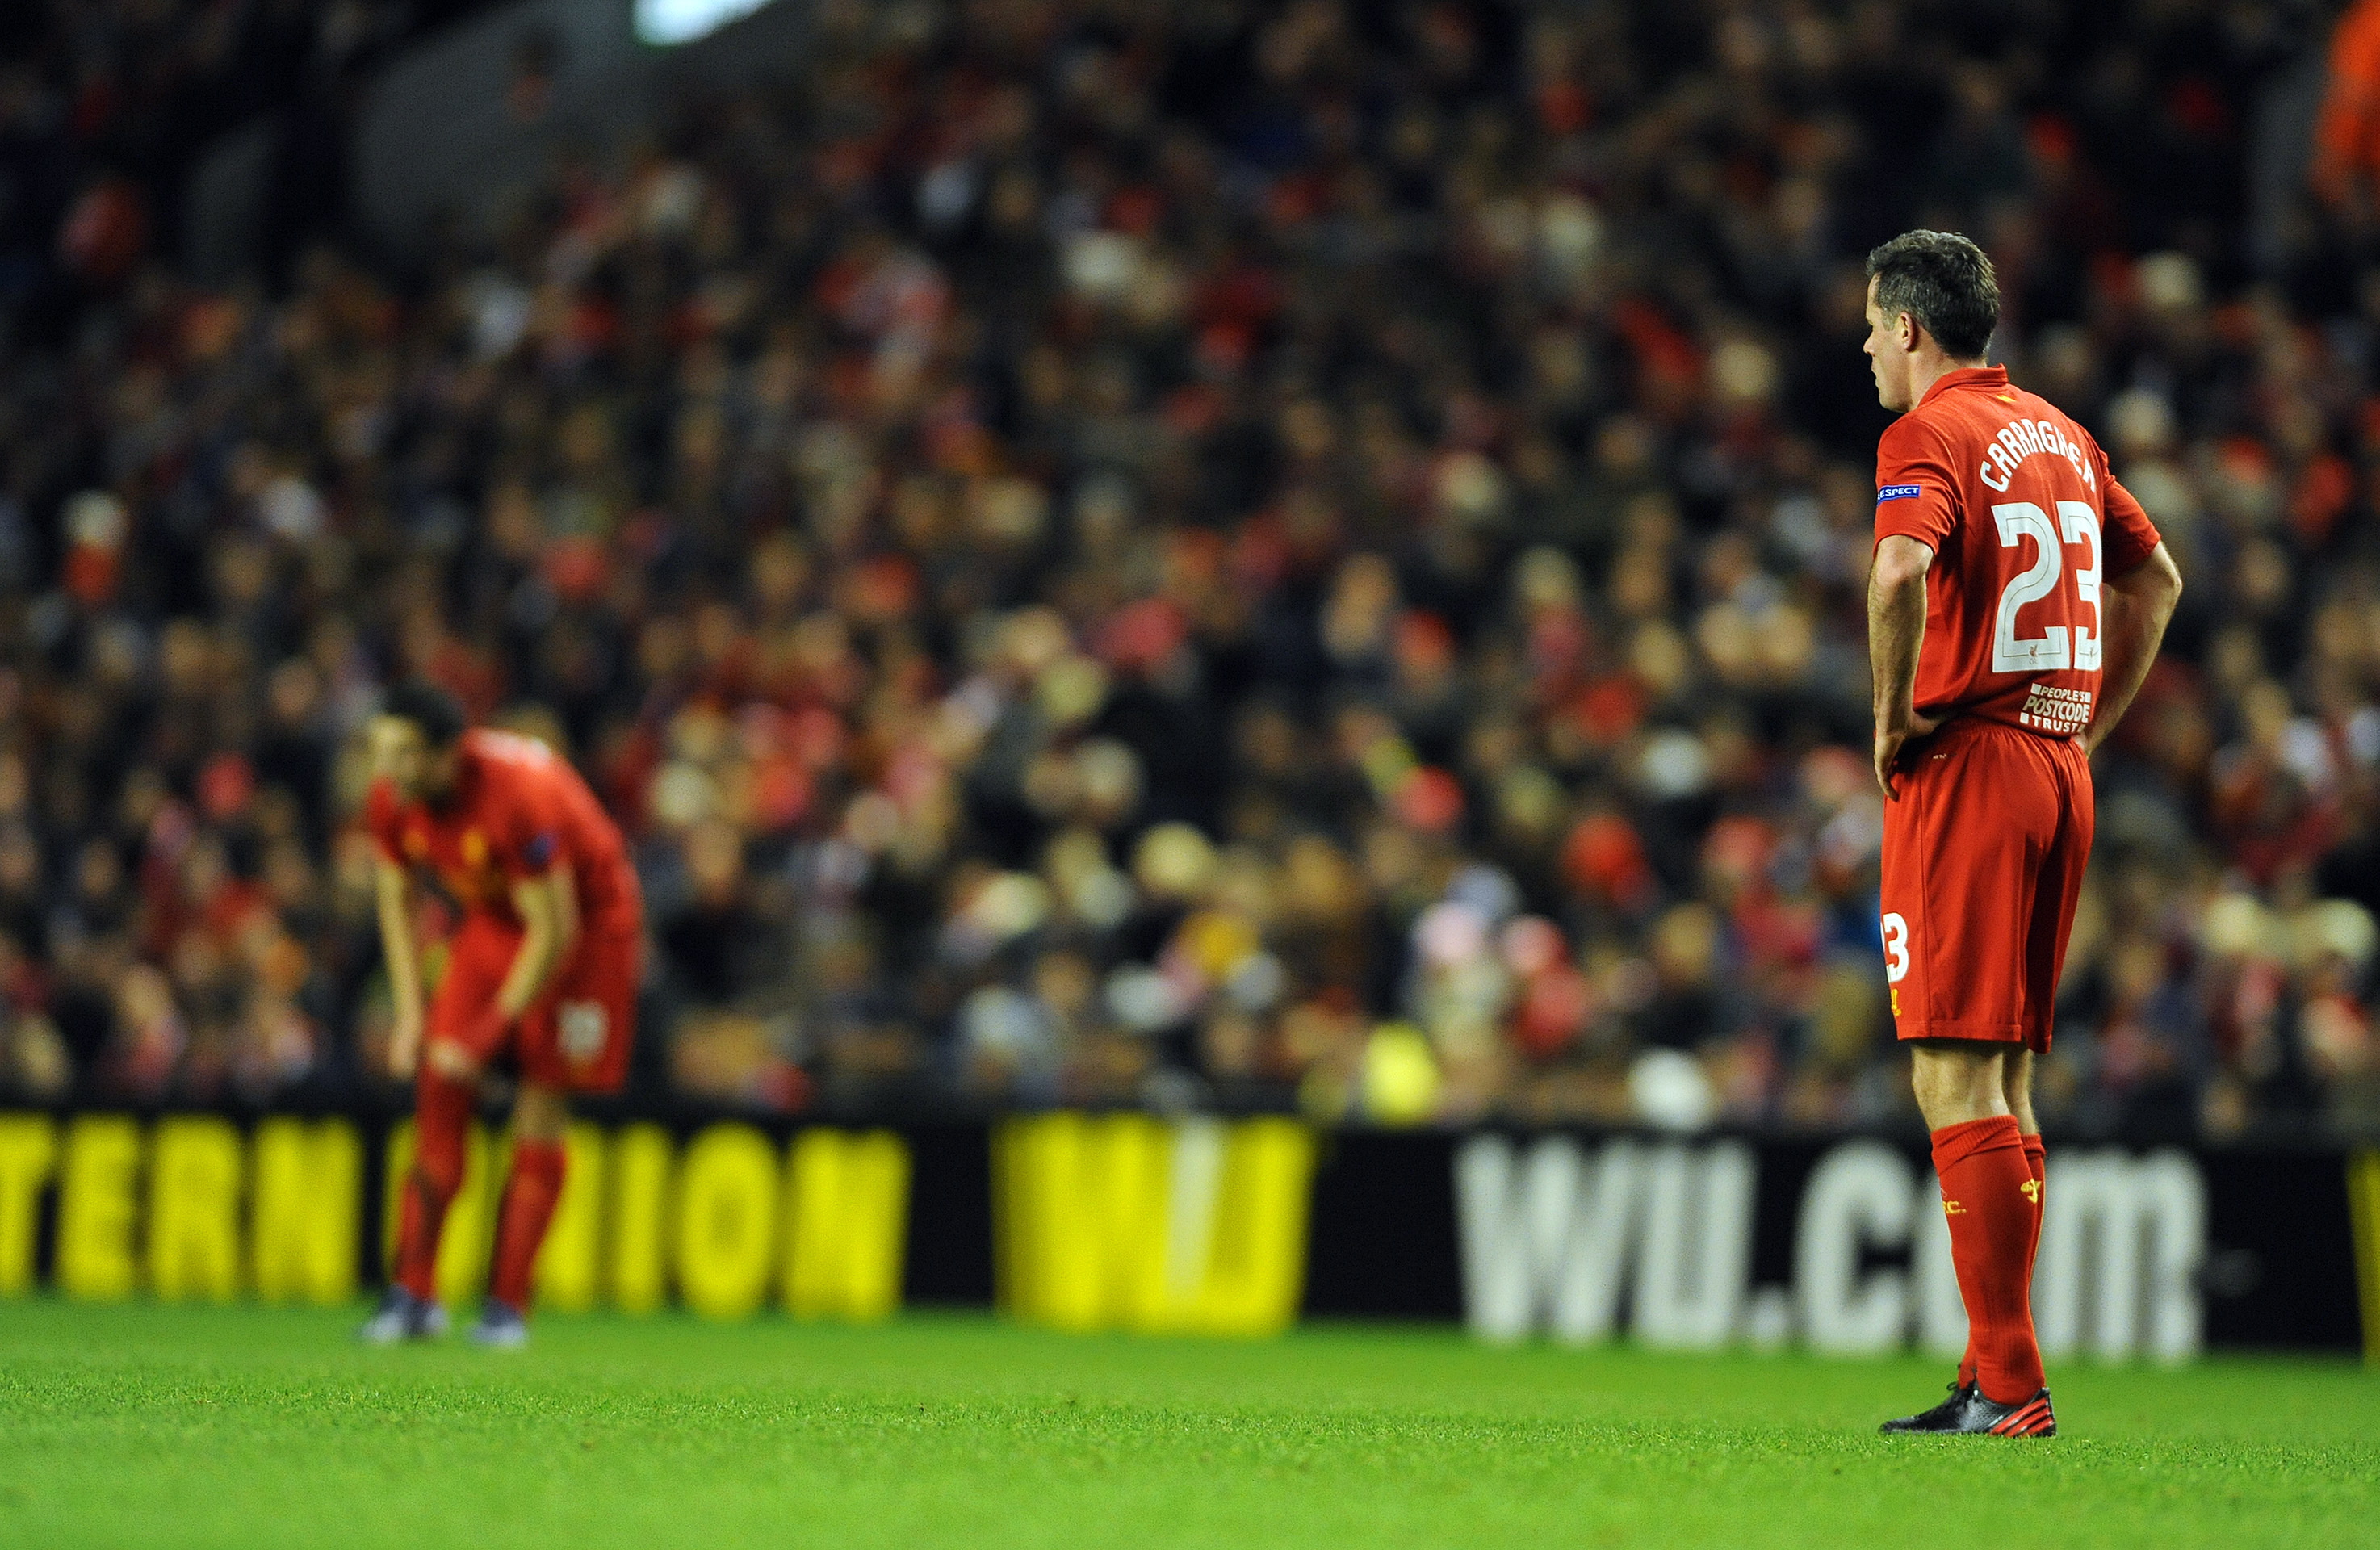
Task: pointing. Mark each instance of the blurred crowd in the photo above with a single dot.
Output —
(107, 107)
(1285, 556)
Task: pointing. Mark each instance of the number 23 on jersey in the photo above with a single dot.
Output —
(2051, 651)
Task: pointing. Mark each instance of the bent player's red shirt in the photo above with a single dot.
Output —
(516, 810)
(2025, 522)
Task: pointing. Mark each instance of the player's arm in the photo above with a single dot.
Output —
(1896, 632)
(548, 906)
(393, 888)
(2136, 607)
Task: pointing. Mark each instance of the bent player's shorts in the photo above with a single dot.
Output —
(575, 1037)
(1983, 863)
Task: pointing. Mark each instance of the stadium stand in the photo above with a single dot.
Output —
(1261, 556)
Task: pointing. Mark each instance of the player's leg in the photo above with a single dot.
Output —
(444, 1092)
(1966, 911)
(1957, 1082)
(441, 1115)
(2057, 890)
(573, 1040)
(2016, 1091)
(541, 1120)
(2017, 1086)
(1979, 1161)
(1978, 1086)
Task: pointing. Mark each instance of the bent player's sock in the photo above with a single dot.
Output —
(442, 1112)
(529, 1196)
(2036, 1164)
(1982, 1166)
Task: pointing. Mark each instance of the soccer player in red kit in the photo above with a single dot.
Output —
(2018, 597)
(542, 970)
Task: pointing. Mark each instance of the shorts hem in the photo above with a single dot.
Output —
(1979, 1033)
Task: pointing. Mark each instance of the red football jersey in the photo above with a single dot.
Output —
(516, 810)
(2025, 522)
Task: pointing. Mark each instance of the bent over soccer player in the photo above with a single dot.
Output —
(543, 968)
(2018, 597)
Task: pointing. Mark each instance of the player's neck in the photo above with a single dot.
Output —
(1927, 370)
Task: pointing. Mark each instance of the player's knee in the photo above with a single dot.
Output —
(1954, 1083)
(2016, 1086)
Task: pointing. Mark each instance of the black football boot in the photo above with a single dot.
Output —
(1938, 1418)
(1967, 1413)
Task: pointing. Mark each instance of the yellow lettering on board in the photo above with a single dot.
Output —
(568, 1268)
(726, 1221)
(1125, 1221)
(2363, 1229)
(1079, 1215)
(29, 1148)
(1248, 1275)
(308, 1196)
(194, 1187)
(640, 1170)
(97, 1209)
(847, 1199)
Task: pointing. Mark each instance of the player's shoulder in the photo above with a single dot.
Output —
(1960, 410)
(505, 747)
(2022, 402)
(1921, 434)
(512, 758)
(527, 776)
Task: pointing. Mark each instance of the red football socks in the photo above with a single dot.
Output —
(2036, 1159)
(529, 1196)
(1989, 1196)
(441, 1115)
(2036, 1163)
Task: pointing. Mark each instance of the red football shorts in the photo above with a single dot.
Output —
(1982, 862)
(575, 1037)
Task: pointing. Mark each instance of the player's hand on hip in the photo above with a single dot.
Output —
(1891, 734)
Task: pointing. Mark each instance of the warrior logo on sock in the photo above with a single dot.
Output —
(2031, 1188)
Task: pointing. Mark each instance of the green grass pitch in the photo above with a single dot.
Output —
(145, 1425)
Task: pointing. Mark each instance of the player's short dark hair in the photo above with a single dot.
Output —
(1946, 282)
(438, 713)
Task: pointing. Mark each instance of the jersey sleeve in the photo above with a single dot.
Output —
(2131, 538)
(525, 833)
(1917, 494)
